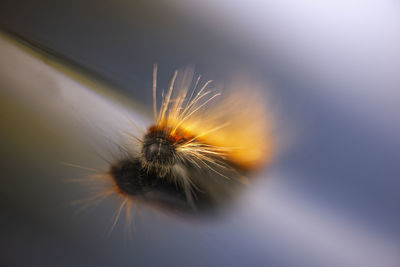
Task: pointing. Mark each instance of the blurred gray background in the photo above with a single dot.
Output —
(331, 197)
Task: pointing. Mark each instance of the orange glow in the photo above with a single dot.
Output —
(233, 125)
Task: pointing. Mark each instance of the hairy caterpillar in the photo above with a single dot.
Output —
(198, 150)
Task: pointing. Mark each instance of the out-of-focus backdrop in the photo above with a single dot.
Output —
(331, 73)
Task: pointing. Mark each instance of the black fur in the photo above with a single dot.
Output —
(159, 149)
(134, 180)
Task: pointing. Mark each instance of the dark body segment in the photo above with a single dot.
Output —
(133, 180)
(151, 175)
(159, 148)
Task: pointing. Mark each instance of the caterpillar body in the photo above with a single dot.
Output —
(199, 149)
